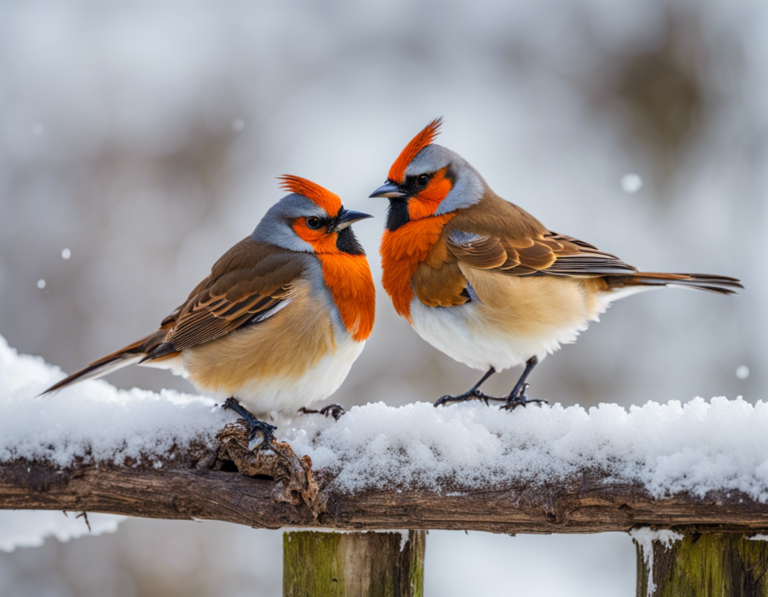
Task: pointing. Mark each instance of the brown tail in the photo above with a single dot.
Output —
(710, 283)
(132, 353)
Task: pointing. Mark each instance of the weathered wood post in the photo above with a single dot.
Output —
(382, 564)
(702, 565)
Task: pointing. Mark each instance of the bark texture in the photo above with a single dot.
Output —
(704, 565)
(343, 564)
(263, 490)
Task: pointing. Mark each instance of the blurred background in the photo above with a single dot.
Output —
(139, 141)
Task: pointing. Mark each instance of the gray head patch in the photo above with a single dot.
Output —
(276, 228)
(468, 186)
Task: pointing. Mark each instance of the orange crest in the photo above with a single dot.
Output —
(419, 142)
(322, 197)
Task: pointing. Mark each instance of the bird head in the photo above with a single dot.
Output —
(311, 220)
(428, 180)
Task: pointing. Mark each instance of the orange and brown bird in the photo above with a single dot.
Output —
(279, 321)
(484, 281)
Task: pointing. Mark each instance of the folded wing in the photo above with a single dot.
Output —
(251, 282)
(550, 254)
(238, 292)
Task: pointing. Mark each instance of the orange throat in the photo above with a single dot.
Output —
(401, 253)
(349, 279)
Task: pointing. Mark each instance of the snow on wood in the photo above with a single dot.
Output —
(695, 447)
(93, 421)
(645, 537)
(551, 469)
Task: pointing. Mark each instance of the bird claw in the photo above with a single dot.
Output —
(335, 410)
(518, 397)
(260, 435)
(255, 427)
(471, 395)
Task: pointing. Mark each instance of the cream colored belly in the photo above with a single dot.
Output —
(513, 319)
(283, 390)
(290, 360)
(289, 393)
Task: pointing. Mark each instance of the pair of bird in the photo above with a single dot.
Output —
(285, 313)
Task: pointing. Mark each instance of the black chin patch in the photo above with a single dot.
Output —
(346, 242)
(397, 214)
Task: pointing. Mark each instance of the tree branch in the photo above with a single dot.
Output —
(209, 485)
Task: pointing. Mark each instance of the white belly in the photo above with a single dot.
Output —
(464, 334)
(288, 394)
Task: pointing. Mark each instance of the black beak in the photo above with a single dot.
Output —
(389, 190)
(350, 217)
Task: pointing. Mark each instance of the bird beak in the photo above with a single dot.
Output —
(350, 217)
(389, 189)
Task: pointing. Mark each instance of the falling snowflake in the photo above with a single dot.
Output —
(631, 183)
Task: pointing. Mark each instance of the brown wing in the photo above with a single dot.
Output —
(246, 285)
(544, 254)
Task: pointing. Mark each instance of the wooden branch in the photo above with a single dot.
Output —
(206, 485)
(340, 564)
(711, 564)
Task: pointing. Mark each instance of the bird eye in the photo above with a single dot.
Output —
(313, 223)
(422, 180)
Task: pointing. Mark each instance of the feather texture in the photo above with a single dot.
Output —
(248, 282)
(321, 196)
(419, 142)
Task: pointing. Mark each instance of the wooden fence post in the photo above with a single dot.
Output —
(706, 565)
(383, 564)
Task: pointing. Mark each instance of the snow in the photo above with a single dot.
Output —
(93, 420)
(742, 372)
(41, 283)
(29, 528)
(404, 536)
(696, 447)
(645, 538)
(631, 183)
(66, 253)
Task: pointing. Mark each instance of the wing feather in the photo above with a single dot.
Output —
(548, 254)
(248, 284)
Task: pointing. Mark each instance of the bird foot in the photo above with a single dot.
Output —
(518, 397)
(471, 395)
(335, 410)
(260, 434)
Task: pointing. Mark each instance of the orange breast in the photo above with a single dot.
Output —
(349, 279)
(401, 253)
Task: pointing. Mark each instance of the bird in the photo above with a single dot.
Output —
(279, 321)
(484, 281)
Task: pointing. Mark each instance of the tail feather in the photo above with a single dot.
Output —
(709, 282)
(129, 355)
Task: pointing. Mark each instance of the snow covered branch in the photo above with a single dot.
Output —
(536, 470)
(201, 486)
